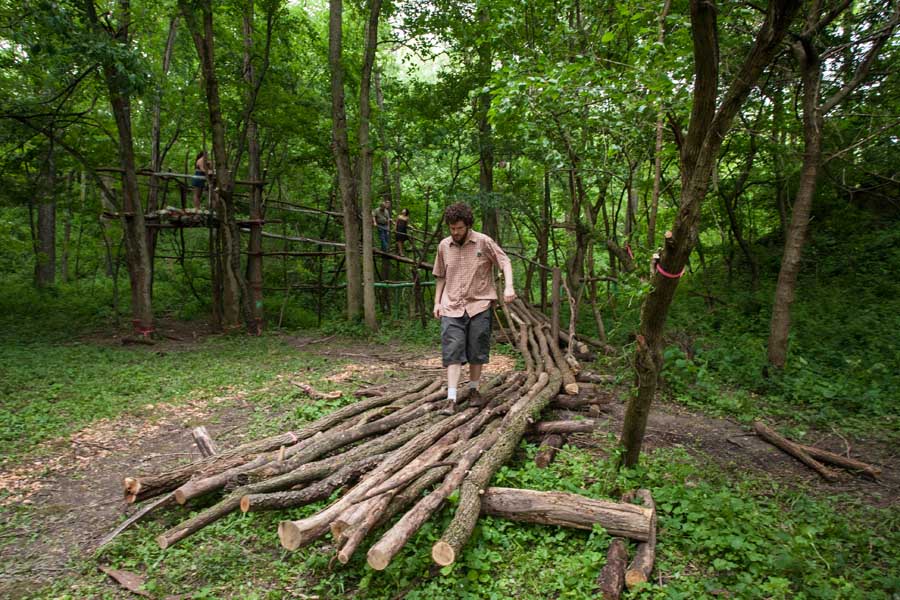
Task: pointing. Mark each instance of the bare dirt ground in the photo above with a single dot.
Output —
(62, 503)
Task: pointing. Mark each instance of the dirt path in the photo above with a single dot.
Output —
(735, 448)
(62, 505)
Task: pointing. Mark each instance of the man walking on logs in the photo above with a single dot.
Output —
(463, 297)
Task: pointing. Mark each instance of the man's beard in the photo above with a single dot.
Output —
(462, 238)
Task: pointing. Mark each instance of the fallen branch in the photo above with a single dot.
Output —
(842, 461)
(611, 580)
(794, 450)
(547, 450)
(316, 394)
(640, 568)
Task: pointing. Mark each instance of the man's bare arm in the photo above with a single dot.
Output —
(438, 292)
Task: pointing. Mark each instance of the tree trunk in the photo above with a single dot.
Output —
(640, 568)
(234, 286)
(254, 172)
(544, 239)
(135, 233)
(45, 260)
(365, 166)
(156, 155)
(707, 129)
(490, 213)
(658, 147)
(611, 580)
(341, 150)
(813, 122)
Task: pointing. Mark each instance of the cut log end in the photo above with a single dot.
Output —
(338, 527)
(443, 554)
(377, 559)
(163, 541)
(130, 498)
(132, 486)
(245, 504)
(634, 577)
(289, 535)
(572, 389)
(180, 496)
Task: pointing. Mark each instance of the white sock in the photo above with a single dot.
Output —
(473, 385)
(451, 393)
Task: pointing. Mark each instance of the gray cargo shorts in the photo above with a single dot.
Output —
(466, 339)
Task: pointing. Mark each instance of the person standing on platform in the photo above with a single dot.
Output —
(401, 230)
(381, 218)
(202, 171)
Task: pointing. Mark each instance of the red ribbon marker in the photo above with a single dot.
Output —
(665, 273)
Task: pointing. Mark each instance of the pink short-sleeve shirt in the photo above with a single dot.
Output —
(468, 273)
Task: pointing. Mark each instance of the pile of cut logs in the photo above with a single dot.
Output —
(398, 454)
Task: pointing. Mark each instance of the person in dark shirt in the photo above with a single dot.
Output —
(401, 229)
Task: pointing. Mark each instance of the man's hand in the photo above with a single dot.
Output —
(509, 295)
(437, 311)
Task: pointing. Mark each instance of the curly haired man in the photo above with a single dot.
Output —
(463, 297)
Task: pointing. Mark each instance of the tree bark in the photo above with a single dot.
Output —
(137, 256)
(365, 165)
(706, 131)
(611, 580)
(254, 172)
(813, 124)
(557, 427)
(547, 450)
(640, 568)
(45, 259)
(205, 443)
(341, 149)
(565, 509)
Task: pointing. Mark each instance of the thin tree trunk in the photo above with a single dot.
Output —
(135, 233)
(156, 155)
(365, 166)
(657, 150)
(67, 229)
(490, 213)
(708, 126)
(234, 286)
(45, 260)
(254, 245)
(341, 149)
(813, 123)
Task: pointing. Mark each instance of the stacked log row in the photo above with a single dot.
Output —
(393, 453)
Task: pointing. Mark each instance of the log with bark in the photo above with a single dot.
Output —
(548, 449)
(611, 580)
(794, 450)
(565, 509)
(395, 455)
(639, 570)
(548, 427)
